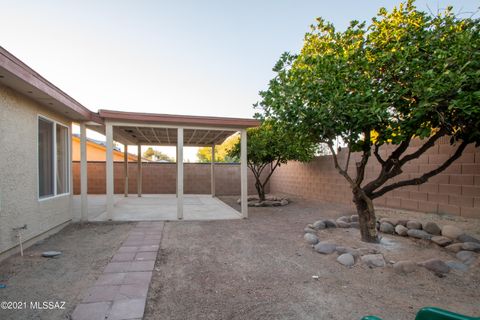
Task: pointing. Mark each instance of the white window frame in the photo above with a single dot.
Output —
(69, 162)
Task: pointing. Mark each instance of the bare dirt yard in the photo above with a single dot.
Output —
(86, 248)
(261, 268)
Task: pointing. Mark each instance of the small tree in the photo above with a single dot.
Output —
(268, 147)
(408, 75)
(204, 154)
(156, 155)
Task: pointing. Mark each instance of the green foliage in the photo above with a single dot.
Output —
(155, 155)
(204, 154)
(406, 75)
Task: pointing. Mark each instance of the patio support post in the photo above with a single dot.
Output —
(180, 173)
(125, 169)
(212, 171)
(243, 173)
(139, 170)
(83, 172)
(109, 178)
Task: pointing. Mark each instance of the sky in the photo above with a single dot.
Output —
(206, 57)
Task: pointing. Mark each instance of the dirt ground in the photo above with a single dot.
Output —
(86, 248)
(261, 268)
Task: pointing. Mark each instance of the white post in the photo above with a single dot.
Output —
(180, 173)
(243, 173)
(109, 178)
(139, 170)
(212, 171)
(125, 169)
(83, 172)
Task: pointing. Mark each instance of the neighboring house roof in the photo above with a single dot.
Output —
(20, 77)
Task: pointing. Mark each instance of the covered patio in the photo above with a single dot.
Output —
(141, 129)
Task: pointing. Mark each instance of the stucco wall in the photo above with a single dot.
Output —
(160, 178)
(455, 191)
(19, 202)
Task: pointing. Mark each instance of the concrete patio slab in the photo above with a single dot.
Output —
(157, 207)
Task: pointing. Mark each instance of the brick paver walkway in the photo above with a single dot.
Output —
(121, 291)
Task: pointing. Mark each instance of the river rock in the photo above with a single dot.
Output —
(467, 238)
(284, 202)
(354, 218)
(401, 230)
(432, 228)
(455, 265)
(471, 246)
(386, 227)
(342, 224)
(310, 238)
(329, 223)
(451, 232)
(373, 260)
(393, 222)
(341, 250)
(419, 234)
(405, 266)
(346, 259)
(454, 247)
(414, 224)
(441, 241)
(319, 225)
(355, 224)
(435, 265)
(309, 230)
(344, 219)
(466, 257)
(325, 247)
(402, 222)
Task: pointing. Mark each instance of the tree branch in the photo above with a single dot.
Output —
(424, 178)
(335, 161)
(377, 155)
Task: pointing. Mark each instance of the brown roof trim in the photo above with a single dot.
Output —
(19, 69)
(179, 119)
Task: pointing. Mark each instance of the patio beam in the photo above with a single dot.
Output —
(179, 173)
(109, 171)
(83, 172)
(243, 173)
(125, 169)
(139, 170)
(212, 171)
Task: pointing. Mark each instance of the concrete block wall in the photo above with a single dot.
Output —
(455, 191)
(160, 178)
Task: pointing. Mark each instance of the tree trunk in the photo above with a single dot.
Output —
(260, 190)
(366, 218)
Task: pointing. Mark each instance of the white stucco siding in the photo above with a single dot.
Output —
(19, 202)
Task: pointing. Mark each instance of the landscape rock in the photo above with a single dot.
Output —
(51, 254)
(310, 238)
(402, 222)
(284, 202)
(373, 260)
(414, 224)
(391, 221)
(342, 250)
(454, 247)
(325, 247)
(355, 224)
(419, 234)
(342, 224)
(319, 225)
(329, 223)
(466, 257)
(309, 230)
(346, 259)
(401, 230)
(354, 218)
(404, 266)
(435, 265)
(344, 219)
(364, 251)
(432, 228)
(441, 241)
(471, 246)
(467, 238)
(455, 265)
(386, 227)
(451, 232)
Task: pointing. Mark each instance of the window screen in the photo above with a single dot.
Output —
(45, 158)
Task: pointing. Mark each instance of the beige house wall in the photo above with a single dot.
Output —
(19, 203)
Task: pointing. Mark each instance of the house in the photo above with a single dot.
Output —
(96, 151)
(36, 178)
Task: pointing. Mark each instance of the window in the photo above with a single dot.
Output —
(53, 159)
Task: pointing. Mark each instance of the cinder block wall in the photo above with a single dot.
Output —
(160, 178)
(455, 191)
